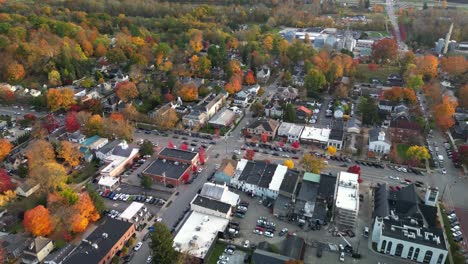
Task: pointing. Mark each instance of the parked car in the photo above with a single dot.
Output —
(269, 234)
(283, 231)
(342, 256)
(396, 178)
(247, 244)
(138, 246)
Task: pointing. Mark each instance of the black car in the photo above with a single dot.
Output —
(275, 154)
(147, 132)
(184, 138)
(193, 144)
(213, 143)
(319, 252)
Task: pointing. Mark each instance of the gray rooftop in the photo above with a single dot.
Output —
(166, 168)
(184, 155)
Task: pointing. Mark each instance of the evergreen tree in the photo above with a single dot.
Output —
(161, 245)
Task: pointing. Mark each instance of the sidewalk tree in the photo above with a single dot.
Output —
(5, 148)
(249, 154)
(264, 137)
(146, 181)
(331, 150)
(146, 148)
(295, 144)
(418, 152)
(162, 245)
(167, 121)
(170, 144)
(257, 108)
(356, 170)
(311, 163)
(289, 163)
(184, 146)
(201, 155)
(444, 113)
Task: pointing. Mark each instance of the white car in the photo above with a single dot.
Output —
(242, 208)
(246, 244)
(269, 234)
(116, 197)
(342, 257)
(138, 246)
(444, 171)
(403, 169)
(149, 259)
(148, 198)
(257, 232)
(229, 251)
(455, 228)
(457, 233)
(200, 170)
(225, 258)
(394, 178)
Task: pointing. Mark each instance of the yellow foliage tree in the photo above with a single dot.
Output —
(39, 152)
(94, 125)
(418, 152)
(168, 120)
(196, 40)
(50, 176)
(311, 163)
(5, 148)
(289, 163)
(331, 150)
(60, 98)
(6, 197)
(70, 152)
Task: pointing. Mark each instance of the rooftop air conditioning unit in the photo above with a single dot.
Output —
(164, 160)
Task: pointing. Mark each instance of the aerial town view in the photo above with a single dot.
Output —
(234, 131)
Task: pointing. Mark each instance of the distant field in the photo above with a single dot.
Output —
(364, 74)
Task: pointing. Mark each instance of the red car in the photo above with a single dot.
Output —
(407, 180)
(398, 188)
(391, 188)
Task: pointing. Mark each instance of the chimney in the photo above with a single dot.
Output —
(381, 136)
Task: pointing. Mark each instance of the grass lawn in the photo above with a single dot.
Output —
(215, 253)
(377, 34)
(80, 175)
(364, 74)
(454, 247)
(401, 150)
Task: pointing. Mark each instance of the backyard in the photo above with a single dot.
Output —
(381, 72)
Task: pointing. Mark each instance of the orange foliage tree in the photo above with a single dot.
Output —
(235, 84)
(116, 116)
(444, 113)
(15, 72)
(427, 66)
(38, 221)
(70, 152)
(5, 148)
(250, 78)
(60, 98)
(463, 96)
(126, 91)
(196, 40)
(384, 50)
(86, 207)
(188, 92)
(455, 65)
(6, 96)
(398, 94)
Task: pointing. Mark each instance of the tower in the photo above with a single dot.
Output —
(447, 38)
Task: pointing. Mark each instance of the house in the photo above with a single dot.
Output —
(311, 135)
(253, 89)
(13, 245)
(241, 98)
(394, 80)
(379, 141)
(460, 129)
(204, 110)
(405, 225)
(76, 137)
(290, 131)
(346, 200)
(108, 183)
(336, 136)
(161, 111)
(403, 129)
(263, 125)
(303, 114)
(103, 243)
(121, 155)
(226, 171)
(259, 178)
(273, 110)
(220, 193)
(263, 74)
(223, 118)
(135, 213)
(286, 93)
(26, 189)
(38, 250)
(106, 150)
(353, 126)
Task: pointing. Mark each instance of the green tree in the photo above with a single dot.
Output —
(314, 82)
(257, 108)
(146, 181)
(368, 110)
(96, 198)
(312, 163)
(415, 82)
(146, 148)
(290, 113)
(161, 245)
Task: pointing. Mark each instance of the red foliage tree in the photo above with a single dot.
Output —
(186, 177)
(31, 117)
(170, 144)
(281, 143)
(384, 49)
(194, 168)
(264, 137)
(372, 66)
(71, 122)
(250, 78)
(116, 116)
(356, 170)
(168, 97)
(75, 108)
(463, 152)
(249, 154)
(50, 123)
(201, 155)
(5, 182)
(184, 146)
(295, 144)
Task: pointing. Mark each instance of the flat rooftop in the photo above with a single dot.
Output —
(178, 154)
(316, 134)
(212, 204)
(348, 191)
(171, 169)
(431, 237)
(198, 233)
(131, 210)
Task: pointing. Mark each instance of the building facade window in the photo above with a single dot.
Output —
(416, 254)
(382, 247)
(389, 247)
(441, 257)
(399, 250)
(427, 257)
(410, 252)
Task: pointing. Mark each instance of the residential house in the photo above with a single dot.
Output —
(13, 245)
(353, 126)
(379, 141)
(273, 110)
(290, 131)
(253, 89)
(286, 93)
(403, 129)
(263, 74)
(394, 80)
(226, 171)
(460, 129)
(303, 114)
(223, 118)
(38, 250)
(336, 136)
(76, 137)
(106, 150)
(241, 98)
(103, 243)
(121, 155)
(26, 189)
(263, 125)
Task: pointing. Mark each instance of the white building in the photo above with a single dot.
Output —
(420, 244)
(241, 99)
(210, 206)
(220, 193)
(108, 183)
(315, 135)
(135, 213)
(121, 155)
(291, 131)
(346, 200)
(379, 141)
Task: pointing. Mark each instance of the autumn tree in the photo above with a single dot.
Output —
(60, 98)
(86, 208)
(69, 152)
(249, 154)
(168, 120)
(384, 50)
(235, 84)
(196, 38)
(113, 128)
(188, 92)
(94, 125)
(331, 150)
(295, 144)
(314, 82)
(462, 96)
(14, 72)
(427, 66)
(7, 97)
(443, 113)
(184, 146)
(38, 221)
(126, 91)
(415, 82)
(146, 148)
(201, 155)
(5, 148)
(454, 65)
(250, 78)
(54, 78)
(71, 122)
(257, 108)
(356, 170)
(418, 152)
(289, 163)
(39, 152)
(5, 182)
(50, 176)
(311, 163)
(400, 94)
